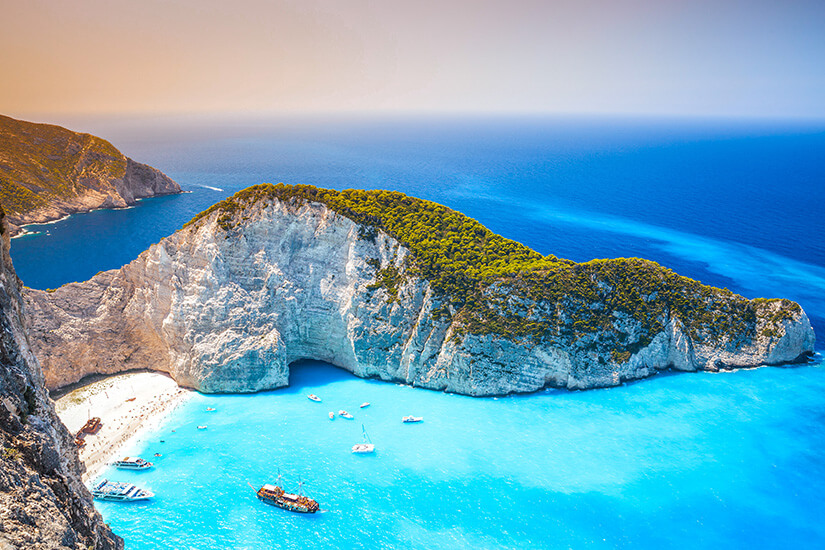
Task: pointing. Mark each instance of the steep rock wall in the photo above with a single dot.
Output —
(43, 504)
(226, 307)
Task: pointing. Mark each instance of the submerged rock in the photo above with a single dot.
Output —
(388, 286)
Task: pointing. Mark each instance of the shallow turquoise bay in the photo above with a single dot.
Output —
(729, 460)
(688, 460)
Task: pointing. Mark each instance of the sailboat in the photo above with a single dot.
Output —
(366, 447)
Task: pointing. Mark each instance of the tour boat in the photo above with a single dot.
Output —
(111, 490)
(331, 415)
(314, 397)
(411, 419)
(92, 426)
(132, 463)
(364, 404)
(345, 414)
(276, 496)
(366, 447)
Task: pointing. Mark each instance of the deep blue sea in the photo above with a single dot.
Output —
(731, 460)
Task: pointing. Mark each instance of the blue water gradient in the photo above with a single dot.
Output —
(690, 461)
(735, 204)
(729, 460)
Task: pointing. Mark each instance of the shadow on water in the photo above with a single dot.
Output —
(307, 374)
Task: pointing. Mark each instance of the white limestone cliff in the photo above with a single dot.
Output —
(229, 309)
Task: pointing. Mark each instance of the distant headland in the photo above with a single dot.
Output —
(48, 172)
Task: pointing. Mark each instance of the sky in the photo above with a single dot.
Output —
(728, 58)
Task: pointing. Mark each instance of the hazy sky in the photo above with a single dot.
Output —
(714, 57)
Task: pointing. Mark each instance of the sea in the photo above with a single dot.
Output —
(698, 460)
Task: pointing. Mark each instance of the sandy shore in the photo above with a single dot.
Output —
(128, 405)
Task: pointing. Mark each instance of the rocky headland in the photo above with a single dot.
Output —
(388, 286)
(48, 172)
(43, 503)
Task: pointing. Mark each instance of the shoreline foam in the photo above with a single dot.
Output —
(129, 405)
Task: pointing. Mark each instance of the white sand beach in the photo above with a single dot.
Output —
(128, 405)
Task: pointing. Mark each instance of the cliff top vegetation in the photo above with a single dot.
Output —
(43, 162)
(491, 284)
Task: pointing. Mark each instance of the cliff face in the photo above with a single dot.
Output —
(48, 172)
(228, 302)
(43, 504)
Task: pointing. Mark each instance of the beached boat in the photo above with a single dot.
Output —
(132, 463)
(111, 490)
(366, 447)
(345, 414)
(314, 397)
(331, 415)
(276, 496)
(412, 419)
(92, 426)
(364, 404)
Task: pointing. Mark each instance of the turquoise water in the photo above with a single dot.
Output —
(730, 460)
(683, 461)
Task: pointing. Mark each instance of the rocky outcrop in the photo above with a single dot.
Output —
(48, 172)
(43, 504)
(230, 301)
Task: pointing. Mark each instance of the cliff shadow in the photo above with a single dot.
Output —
(310, 373)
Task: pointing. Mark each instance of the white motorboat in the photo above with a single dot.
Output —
(313, 397)
(132, 463)
(112, 490)
(210, 409)
(345, 414)
(366, 447)
(364, 404)
(201, 427)
(412, 419)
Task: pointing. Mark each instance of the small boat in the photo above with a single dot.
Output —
(92, 426)
(131, 399)
(412, 419)
(331, 415)
(201, 427)
(132, 463)
(345, 414)
(111, 490)
(364, 404)
(210, 409)
(366, 447)
(314, 397)
(276, 496)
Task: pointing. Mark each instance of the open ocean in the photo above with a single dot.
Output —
(729, 460)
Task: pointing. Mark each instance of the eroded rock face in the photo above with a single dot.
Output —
(227, 308)
(139, 182)
(43, 504)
